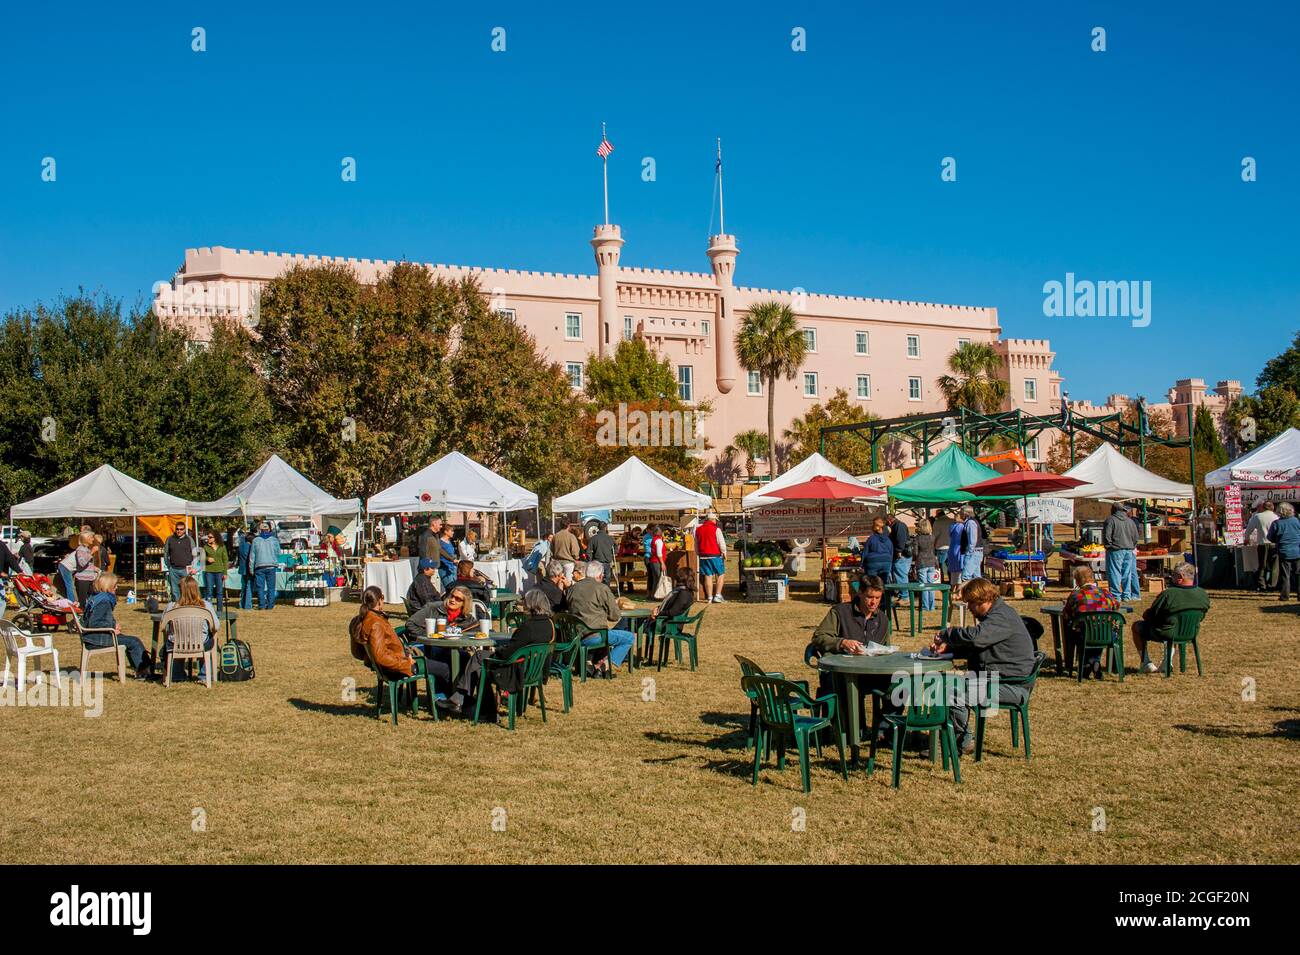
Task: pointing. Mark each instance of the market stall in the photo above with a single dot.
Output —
(941, 479)
(452, 483)
(1269, 472)
(104, 492)
(276, 489)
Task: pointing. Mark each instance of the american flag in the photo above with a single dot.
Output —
(605, 148)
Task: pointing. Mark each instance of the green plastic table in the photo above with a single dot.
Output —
(493, 639)
(1054, 611)
(639, 617)
(915, 613)
(854, 675)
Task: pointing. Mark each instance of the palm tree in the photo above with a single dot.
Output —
(770, 342)
(976, 381)
(753, 444)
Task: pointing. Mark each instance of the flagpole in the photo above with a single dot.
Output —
(722, 216)
(604, 163)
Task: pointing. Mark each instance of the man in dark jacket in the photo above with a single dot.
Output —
(998, 644)
(427, 543)
(553, 586)
(1159, 621)
(900, 537)
(179, 557)
(601, 548)
(423, 590)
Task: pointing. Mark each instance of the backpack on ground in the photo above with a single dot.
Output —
(236, 662)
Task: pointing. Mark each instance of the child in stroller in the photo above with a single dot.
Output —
(43, 609)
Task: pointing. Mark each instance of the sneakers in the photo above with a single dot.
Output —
(967, 745)
(717, 599)
(1150, 667)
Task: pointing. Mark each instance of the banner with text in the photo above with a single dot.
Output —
(782, 521)
(1047, 510)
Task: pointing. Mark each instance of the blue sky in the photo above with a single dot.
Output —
(1122, 165)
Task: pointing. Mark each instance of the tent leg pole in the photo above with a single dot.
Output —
(135, 557)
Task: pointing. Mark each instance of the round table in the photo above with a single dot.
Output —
(854, 675)
(494, 639)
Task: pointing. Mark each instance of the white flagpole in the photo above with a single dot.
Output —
(604, 162)
(722, 217)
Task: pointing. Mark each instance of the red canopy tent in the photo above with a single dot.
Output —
(825, 488)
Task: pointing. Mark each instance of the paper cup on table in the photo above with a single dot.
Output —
(431, 627)
(485, 627)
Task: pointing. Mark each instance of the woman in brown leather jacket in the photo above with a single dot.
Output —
(371, 631)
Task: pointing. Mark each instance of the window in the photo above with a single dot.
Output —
(914, 389)
(963, 342)
(706, 328)
(1031, 389)
(629, 328)
(685, 383)
(810, 384)
(572, 325)
(864, 386)
(754, 385)
(507, 313)
(862, 343)
(913, 346)
(810, 339)
(1031, 450)
(574, 371)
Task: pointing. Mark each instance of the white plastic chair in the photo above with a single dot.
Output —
(29, 650)
(190, 628)
(115, 648)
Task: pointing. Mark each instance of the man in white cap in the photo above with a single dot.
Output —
(711, 546)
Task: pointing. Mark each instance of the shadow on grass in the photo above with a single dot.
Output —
(1291, 606)
(359, 708)
(1282, 729)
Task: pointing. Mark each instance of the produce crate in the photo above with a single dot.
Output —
(1153, 584)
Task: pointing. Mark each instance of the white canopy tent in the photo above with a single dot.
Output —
(277, 489)
(632, 486)
(815, 465)
(454, 483)
(1274, 462)
(1112, 477)
(104, 492)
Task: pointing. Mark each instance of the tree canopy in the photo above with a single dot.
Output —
(850, 452)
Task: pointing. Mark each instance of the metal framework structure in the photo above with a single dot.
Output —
(972, 428)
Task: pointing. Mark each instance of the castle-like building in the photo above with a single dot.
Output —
(886, 354)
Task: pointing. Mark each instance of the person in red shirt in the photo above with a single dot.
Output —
(711, 546)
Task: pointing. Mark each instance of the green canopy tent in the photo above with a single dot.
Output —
(938, 482)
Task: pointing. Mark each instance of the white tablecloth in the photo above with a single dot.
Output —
(393, 577)
(505, 574)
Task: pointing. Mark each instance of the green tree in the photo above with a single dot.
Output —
(1210, 453)
(843, 450)
(770, 342)
(1282, 371)
(1274, 409)
(753, 445)
(632, 373)
(976, 379)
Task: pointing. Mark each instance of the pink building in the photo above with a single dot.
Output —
(886, 354)
(1180, 404)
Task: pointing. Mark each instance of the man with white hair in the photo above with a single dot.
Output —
(592, 602)
(1159, 621)
(1257, 534)
(711, 547)
(1285, 536)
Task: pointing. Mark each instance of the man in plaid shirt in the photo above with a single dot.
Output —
(1086, 597)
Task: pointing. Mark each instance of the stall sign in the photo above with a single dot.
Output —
(1233, 535)
(880, 480)
(1047, 510)
(783, 521)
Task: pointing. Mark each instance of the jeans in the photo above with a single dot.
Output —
(971, 563)
(620, 645)
(960, 711)
(246, 585)
(134, 647)
(174, 575)
(266, 587)
(1121, 574)
(1288, 576)
(69, 585)
(902, 566)
(927, 575)
(214, 587)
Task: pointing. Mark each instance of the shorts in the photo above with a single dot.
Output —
(713, 567)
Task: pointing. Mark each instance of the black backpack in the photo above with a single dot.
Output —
(236, 663)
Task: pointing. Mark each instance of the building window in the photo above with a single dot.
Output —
(507, 313)
(810, 384)
(913, 346)
(963, 342)
(862, 343)
(810, 339)
(914, 389)
(706, 328)
(755, 384)
(574, 371)
(572, 325)
(685, 383)
(1031, 450)
(864, 386)
(629, 328)
(1031, 389)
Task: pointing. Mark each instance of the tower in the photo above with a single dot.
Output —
(722, 255)
(606, 241)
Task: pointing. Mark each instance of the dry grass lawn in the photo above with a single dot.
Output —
(286, 771)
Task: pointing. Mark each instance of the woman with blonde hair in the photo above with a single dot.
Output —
(98, 616)
(85, 570)
(192, 598)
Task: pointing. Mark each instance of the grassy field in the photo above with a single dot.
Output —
(283, 769)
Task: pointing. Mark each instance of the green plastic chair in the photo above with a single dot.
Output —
(398, 686)
(564, 653)
(533, 659)
(922, 714)
(514, 618)
(1104, 630)
(1187, 627)
(1019, 711)
(584, 650)
(782, 718)
(674, 630)
(749, 668)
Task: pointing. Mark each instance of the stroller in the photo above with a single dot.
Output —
(37, 613)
